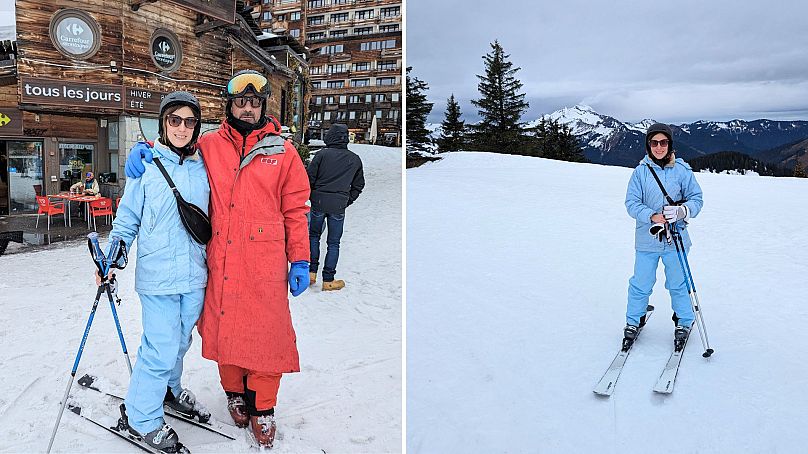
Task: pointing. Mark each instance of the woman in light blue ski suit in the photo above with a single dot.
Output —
(171, 272)
(646, 203)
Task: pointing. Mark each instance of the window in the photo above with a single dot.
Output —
(339, 33)
(330, 100)
(339, 2)
(363, 30)
(339, 17)
(266, 16)
(392, 11)
(339, 68)
(365, 115)
(315, 36)
(281, 17)
(376, 45)
(340, 115)
(266, 2)
(354, 99)
(379, 114)
(393, 114)
(294, 33)
(316, 20)
(352, 115)
(335, 84)
(381, 97)
(318, 100)
(294, 15)
(316, 3)
(388, 28)
(332, 49)
(326, 115)
(360, 82)
(265, 30)
(315, 85)
(316, 115)
(386, 65)
(385, 81)
(364, 66)
(368, 98)
(365, 14)
(394, 97)
(315, 70)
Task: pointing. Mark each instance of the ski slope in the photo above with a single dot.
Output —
(347, 397)
(517, 273)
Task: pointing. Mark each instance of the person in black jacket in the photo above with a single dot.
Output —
(336, 179)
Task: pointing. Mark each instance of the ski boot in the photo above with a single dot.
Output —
(238, 409)
(163, 438)
(680, 337)
(262, 428)
(186, 405)
(312, 278)
(333, 285)
(630, 333)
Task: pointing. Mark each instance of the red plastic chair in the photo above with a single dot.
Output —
(118, 203)
(101, 207)
(49, 208)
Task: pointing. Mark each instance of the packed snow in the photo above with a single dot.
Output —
(347, 397)
(517, 274)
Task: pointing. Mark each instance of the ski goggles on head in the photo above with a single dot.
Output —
(241, 83)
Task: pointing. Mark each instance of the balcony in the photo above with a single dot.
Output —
(279, 26)
(342, 56)
(394, 52)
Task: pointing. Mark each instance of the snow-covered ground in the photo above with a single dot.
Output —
(517, 272)
(347, 397)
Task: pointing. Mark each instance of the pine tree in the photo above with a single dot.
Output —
(417, 111)
(553, 140)
(500, 106)
(799, 171)
(453, 137)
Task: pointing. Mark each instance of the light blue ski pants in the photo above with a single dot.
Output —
(642, 283)
(167, 324)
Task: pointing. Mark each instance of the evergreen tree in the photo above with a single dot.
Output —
(500, 106)
(553, 140)
(799, 171)
(453, 137)
(417, 111)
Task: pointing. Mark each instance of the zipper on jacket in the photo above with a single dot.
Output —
(243, 147)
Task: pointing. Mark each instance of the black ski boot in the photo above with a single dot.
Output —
(187, 405)
(680, 337)
(163, 439)
(630, 333)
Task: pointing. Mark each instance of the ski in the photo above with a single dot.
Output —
(114, 429)
(607, 383)
(668, 376)
(211, 425)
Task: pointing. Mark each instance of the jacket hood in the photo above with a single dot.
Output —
(654, 129)
(337, 136)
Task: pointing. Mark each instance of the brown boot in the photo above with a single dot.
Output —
(263, 429)
(238, 409)
(312, 278)
(333, 285)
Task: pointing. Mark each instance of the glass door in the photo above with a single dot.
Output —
(24, 175)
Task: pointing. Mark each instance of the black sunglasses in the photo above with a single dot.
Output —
(241, 101)
(658, 143)
(175, 120)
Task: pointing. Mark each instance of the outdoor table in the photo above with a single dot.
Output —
(68, 197)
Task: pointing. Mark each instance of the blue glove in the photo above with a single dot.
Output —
(299, 277)
(134, 168)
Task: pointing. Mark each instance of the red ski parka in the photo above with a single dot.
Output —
(258, 214)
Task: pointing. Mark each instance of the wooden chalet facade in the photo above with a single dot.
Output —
(84, 80)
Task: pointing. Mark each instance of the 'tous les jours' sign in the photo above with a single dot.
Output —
(72, 94)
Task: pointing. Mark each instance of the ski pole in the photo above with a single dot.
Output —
(75, 365)
(681, 253)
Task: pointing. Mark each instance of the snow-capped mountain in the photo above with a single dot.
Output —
(607, 140)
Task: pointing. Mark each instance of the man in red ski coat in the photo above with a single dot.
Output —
(259, 188)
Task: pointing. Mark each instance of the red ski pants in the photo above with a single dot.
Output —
(264, 384)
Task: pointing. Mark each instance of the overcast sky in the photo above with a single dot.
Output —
(7, 20)
(673, 61)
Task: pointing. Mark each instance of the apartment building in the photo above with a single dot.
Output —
(355, 69)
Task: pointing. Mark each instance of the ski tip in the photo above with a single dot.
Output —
(708, 353)
(649, 308)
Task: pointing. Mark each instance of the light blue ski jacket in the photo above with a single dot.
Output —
(644, 198)
(169, 261)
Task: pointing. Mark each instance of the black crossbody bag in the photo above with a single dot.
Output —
(196, 222)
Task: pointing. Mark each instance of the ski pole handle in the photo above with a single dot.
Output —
(95, 250)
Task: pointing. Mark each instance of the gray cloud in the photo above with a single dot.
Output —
(673, 61)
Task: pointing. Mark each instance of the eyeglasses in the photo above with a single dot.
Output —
(241, 101)
(175, 120)
(239, 84)
(659, 143)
